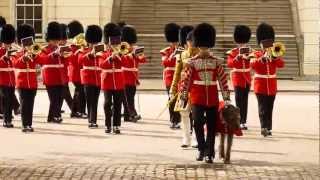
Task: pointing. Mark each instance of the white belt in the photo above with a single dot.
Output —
(6, 69)
(93, 68)
(265, 76)
(111, 70)
(203, 83)
(170, 69)
(129, 69)
(240, 70)
(25, 70)
(52, 66)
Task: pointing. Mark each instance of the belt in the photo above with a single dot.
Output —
(6, 69)
(170, 69)
(204, 83)
(93, 68)
(111, 70)
(265, 76)
(240, 70)
(130, 69)
(52, 66)
(25, 70)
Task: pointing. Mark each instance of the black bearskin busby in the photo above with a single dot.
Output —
(64, 31)
(74, 28)
(171, 32)
(189, 36)
(93, 34)
(111, 30)
(8, 34)
(241, 34)
(24, 31)
(2, 21)
(204, 35)
(129, 34)
(53, 31)
(264, 32)
(184, 31)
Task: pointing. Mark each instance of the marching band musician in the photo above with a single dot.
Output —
(75, 30)
(130, 68)
(112, 81)
(66, 95)
(7, 80)
(171, 32)
(265, 65)
(200, 79)
(26, 76)
(52, 64)
(2, 23)
(90, 72)
(238, 60)
(185, 38)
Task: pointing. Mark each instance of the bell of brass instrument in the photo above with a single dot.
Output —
(35, 49)
(278, 50)
(124, 48)
(79, 40)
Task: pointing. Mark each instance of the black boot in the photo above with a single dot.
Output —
(200, 156)
(108, 130)
(209, 159)
(116, 130)
(24, 129)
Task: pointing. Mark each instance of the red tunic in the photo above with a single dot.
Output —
(89, 68)
(6, 70)
(203, 75)
(131, 69)
(73, 66)
(26, 75)
(265, 80)
(111, 72)
(52, 67)
(240, 72)
(169, 63)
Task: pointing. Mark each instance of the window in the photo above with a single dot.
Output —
(30, 12)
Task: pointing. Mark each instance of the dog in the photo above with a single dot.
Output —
(228, 125)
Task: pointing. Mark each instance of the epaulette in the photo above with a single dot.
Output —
(164, 51)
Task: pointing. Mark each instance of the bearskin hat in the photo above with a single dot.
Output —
(204, 35)
(2, 21)
(242, 34)
(184, 31)
(8, 34)
(265, 31)
(111, 29)
(189, 36)
(24, 31)
(129, 34)
(64, 31)
(93, 34)
(53, 31)
(171, 32)
(74, 28)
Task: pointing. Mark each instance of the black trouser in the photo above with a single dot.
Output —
(92, 96)
(241, 96)
(7, 94)
(113, 97)
(55, 94)
(66, 95)
(174, 116)
(265, 105)
(79, 100)
(15, 103)
(1, 105)
(27, 97)
(203, 115)
(128, 102)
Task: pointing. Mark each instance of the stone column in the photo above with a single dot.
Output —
(309, 14)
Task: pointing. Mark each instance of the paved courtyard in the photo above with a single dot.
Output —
(150, 150)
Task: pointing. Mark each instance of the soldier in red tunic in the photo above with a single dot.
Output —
(75, 29)
(130, 69)
(239, 62)
(7, 80)
(201, 75)
(2, 23)
(26, 76)
(90, 72)
(112, 81)
(171, 32)
(265, 66)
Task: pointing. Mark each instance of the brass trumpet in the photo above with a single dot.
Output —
(79, 40)
(278, 50)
